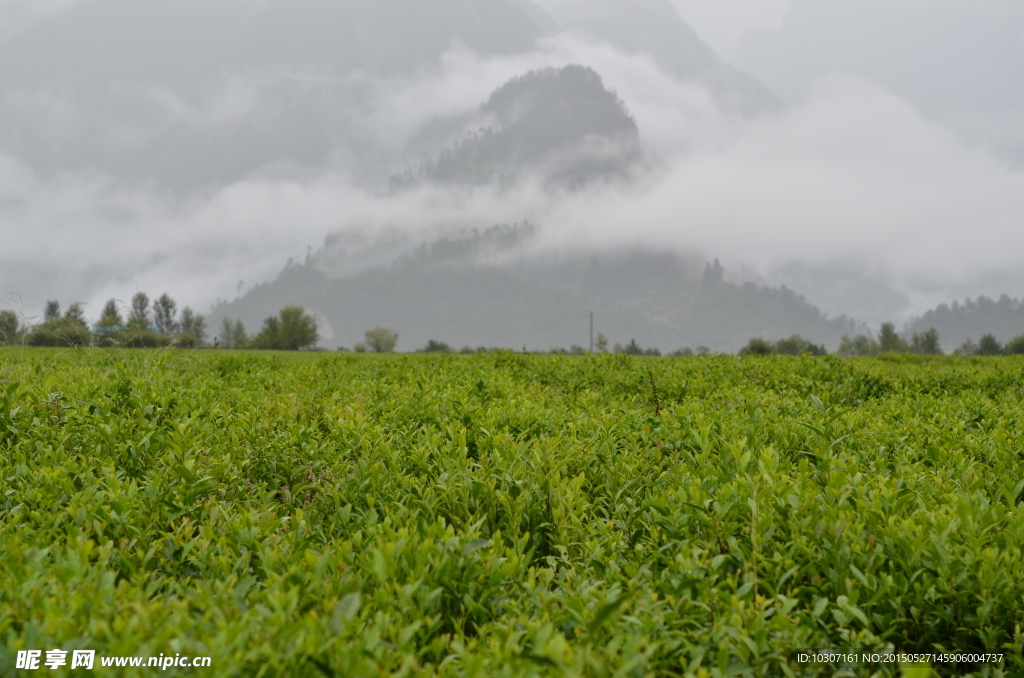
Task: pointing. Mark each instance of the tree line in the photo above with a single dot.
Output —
(146, 323)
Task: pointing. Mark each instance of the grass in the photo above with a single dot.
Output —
(510, 515)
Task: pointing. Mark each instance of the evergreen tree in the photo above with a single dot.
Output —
(110, 320)
(75, 315)
(241, 337)
(139, 318)
(989, 345)
(164, 311)
(890, 342)
(926, 343)
(52, 311)
(193, 324)
(227, 333)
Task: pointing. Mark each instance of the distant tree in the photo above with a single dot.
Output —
(797, 345)
(298, 329)
(359, 348)
(164, 311)
(381, 340)
(239, 335)
(227, 333)
(193, 324)
(926, 343)
(702, 350)
(758, 346)
(110, 319)
(861, 345)
(989, 345)
(891, 342)
(292, 330)
(632, 348)
(75, 315)
(10, 328)
(434, 346)
(714, 275)
(139, 317)
(51, 311)
(684, 352)
(968, 348)
(269, 338)
(1016, 346)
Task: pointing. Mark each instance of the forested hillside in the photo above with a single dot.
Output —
(474, 290)
(972, 319)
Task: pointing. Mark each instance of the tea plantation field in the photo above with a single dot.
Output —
(510, 515)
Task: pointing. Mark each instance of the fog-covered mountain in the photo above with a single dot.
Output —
(479, 289)
(561, 126)
(193, 93)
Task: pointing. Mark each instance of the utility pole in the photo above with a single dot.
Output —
(591, 331)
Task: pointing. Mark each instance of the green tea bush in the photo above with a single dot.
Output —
(292, 514)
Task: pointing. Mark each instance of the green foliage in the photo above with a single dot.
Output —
(434, 346)
(381, 340)
(510, 515)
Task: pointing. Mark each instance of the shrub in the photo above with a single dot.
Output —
(59, 332)
(434, 346)
(140, 337)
